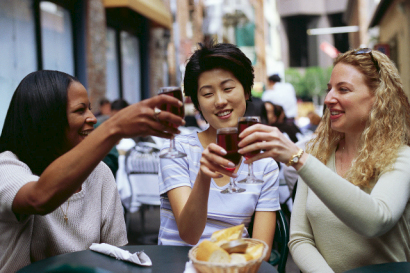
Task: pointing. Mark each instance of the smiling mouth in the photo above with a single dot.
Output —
(335, 113)
(85, 133)
(224, 113)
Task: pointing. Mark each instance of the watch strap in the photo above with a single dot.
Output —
(298, 156)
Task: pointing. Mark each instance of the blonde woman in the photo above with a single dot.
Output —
(352, 204)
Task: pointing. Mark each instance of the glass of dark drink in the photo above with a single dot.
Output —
(243, 123)
(175, 92)
(227, 138)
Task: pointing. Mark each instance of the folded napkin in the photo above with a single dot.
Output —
(189, 268)
(139, 257)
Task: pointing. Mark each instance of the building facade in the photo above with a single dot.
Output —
(393, 20)
(297, 16)
(117, 49)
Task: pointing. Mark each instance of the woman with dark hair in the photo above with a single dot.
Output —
(352, 204)
(218, 79)
(276, 117)
(56, 195)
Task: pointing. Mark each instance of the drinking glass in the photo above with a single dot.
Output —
(175, 92)
(227, 138)
(243, 123)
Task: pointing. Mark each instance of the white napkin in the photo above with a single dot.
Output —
(189, 268)
(139, 257)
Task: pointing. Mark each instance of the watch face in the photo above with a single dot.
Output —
(295, 160)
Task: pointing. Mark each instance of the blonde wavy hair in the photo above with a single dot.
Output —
(387, 127)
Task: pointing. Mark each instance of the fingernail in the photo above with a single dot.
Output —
(223, 151)
(235, 175)
(230, 164)
(220, 176)
(180, 103)
(240, 151)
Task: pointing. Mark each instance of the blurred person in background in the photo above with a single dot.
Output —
(111, 159)
(104, 110)
(314, 120)
(56, 194)
(276, 117)
(283, 94)
(118, 105)
(255, 105)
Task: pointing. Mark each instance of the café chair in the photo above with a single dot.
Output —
(279, 256)
(280, 249)
(141, 167)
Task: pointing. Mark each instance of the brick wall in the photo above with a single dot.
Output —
(96, 50)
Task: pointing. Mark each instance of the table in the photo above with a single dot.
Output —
(168, 259)
(385, 268)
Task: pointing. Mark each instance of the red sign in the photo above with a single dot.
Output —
(383, 48)
(329, 49)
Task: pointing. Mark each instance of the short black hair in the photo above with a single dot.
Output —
(119, 104)
(210, 56)
(274, 78)
(104, 101)
(36, 121)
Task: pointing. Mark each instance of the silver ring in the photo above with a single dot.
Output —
(157, 111)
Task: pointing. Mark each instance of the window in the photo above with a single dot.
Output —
(123, 66)
(113, 77)
(127, 55)
(56, 38)
(131, 72)
(39, 35)
(17, 43)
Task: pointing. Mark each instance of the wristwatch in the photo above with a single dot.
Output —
(295, 158)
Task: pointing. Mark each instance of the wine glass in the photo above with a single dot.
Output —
(243, 123)
(175, 92)
(227, 138)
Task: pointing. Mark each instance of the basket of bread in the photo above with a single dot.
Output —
(228, 252)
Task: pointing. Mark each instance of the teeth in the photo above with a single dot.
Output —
(334, 113)
(223, 113)
(86, 133)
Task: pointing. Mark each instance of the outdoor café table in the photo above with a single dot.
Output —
(167, 259)
(401, 267)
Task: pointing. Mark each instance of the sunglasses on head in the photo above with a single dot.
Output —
(365, 51)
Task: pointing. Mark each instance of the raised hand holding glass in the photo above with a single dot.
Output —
(175, 92)
(227, 138)
(243, 123)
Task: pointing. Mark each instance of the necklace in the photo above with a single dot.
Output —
(66, 210)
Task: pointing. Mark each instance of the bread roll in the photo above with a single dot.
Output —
(228, 234)
(237, 258)
(255, 251)
(221, 242)
(210, 252)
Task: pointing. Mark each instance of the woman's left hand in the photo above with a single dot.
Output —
(270, 140)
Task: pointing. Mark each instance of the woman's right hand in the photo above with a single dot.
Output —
(212, 161)
(139, 119)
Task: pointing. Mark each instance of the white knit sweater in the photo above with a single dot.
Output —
(336, 226)
(94, 214)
